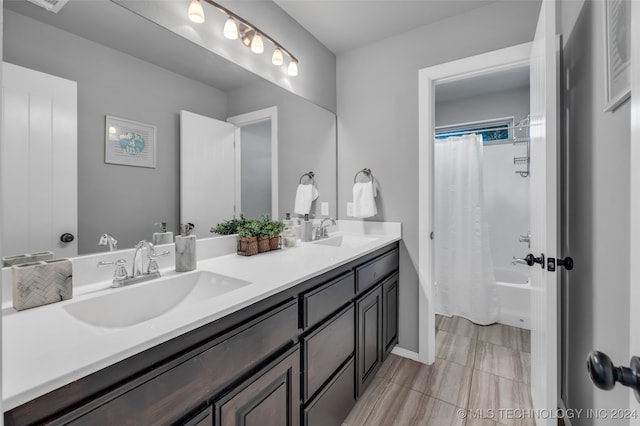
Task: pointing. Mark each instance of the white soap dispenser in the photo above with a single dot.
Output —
(186, 259)
(307, 229)
(164, 236)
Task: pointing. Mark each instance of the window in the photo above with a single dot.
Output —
(492, 131)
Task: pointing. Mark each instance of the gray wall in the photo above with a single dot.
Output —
(122, 200)
(596, 211)
(306, 142)
(256, 169)
(502, 103)
(378, 118)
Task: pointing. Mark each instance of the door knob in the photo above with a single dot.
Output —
(605, 375)
(567, 262)
(532, 260)
(66, 237)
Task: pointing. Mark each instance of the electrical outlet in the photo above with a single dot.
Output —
(349, 209)
(324, 208)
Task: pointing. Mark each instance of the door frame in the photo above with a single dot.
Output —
(634, 231)
(428, 78)
(247, 119)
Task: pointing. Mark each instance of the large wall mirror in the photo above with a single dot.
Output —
(129, 67)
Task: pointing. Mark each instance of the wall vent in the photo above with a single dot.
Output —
(51, 5)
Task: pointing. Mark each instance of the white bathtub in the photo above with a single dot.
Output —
(514, 293)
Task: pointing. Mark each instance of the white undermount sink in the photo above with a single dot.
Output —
(128, 306)
(346, 240)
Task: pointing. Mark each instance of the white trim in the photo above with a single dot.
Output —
(634, 232)
(498, 60)
(266, 114)
(405, 353)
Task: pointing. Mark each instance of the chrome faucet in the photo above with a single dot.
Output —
(138, 273)
(322, 230)
(138, 261)
(108, 240)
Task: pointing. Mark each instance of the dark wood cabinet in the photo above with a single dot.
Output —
(303, 355)
(369, 341)
(271, 397)
(389, 314)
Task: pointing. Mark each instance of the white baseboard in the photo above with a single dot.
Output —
(405, 353)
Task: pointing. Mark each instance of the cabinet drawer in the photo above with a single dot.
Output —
(326, 349)
(335, 402)
(163, 398)
(318, 303)
(372, 272)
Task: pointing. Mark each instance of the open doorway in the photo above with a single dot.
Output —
(257, 162)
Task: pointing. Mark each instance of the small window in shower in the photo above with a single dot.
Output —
(498, 130)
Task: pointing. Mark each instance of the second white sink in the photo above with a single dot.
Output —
(128, 306)
(346, 240)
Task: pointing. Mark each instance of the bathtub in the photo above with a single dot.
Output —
(514, 293)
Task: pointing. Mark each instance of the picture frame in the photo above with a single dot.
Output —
(617, 49)
(129, 143)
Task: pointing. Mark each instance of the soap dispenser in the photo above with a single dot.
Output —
(186, 259)
(162, 237)
(307, 229)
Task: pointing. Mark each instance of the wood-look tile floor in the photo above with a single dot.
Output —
(480, 378)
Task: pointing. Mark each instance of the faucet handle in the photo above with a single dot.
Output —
(119, 274)
(153, 264)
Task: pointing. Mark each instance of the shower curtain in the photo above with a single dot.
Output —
(465, 282)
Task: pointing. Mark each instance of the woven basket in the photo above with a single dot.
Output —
(274, 242)
(263, 244)
(248, 246)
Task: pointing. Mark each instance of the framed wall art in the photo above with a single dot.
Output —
(617, 49)
(129, 143)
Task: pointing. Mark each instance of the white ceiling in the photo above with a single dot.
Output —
(342, 25)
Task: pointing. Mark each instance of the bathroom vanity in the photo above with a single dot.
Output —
(296, 344)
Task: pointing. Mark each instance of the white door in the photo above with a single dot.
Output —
(38, 162)
(207, 171)
(544, 215)
(634, 276)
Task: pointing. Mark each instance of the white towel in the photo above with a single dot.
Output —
(305, 194)
(364, 203)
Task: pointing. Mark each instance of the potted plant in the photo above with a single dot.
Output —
(263, 236)
(248, 234)
(274, 229)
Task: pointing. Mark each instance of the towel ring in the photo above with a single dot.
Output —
(310, 175)
(366, 172)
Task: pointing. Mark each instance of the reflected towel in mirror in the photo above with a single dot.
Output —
(305, 195)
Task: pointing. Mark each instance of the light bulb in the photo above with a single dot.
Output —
(230, 29)
(277, 58)
(256, 44)
(196, 13)
(293, 68)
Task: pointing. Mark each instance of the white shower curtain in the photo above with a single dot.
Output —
(465, 282)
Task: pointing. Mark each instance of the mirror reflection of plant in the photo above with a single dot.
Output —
(229, 227)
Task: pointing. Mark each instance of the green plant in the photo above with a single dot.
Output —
(250, 228)
(274, 227)
(229, 227)
(269, 227)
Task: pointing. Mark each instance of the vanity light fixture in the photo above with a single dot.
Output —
(231, 29)
(236, 27)
(196, 13)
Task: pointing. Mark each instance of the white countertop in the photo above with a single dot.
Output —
(45, 348)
